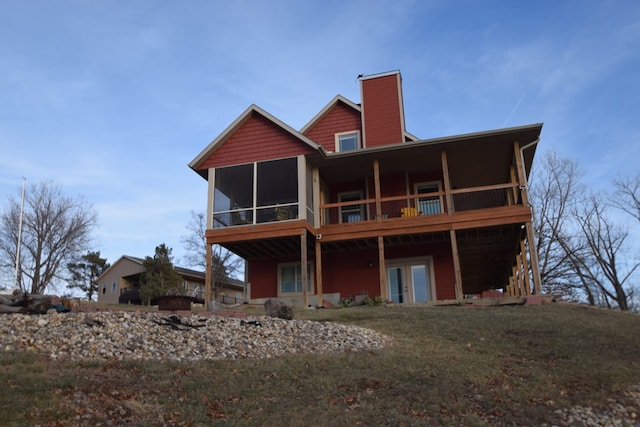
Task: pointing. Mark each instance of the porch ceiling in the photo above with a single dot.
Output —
(474, 159)
(486, 254)
(269, 248)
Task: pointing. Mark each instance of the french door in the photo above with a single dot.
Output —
(409, 281)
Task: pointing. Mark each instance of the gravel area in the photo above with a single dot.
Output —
(158, 336)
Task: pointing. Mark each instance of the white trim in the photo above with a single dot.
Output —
(213, 145)
(351, 132)
(344, 193)
(302, 187)
(418, 196)
(375, 76)
(407, 263)
(211, 191)
(310, 268)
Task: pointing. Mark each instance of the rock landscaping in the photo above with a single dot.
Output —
(158, 336)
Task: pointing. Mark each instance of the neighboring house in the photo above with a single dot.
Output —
(352, 204)
(120, 283)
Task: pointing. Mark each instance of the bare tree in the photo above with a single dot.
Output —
(56, 230)
(601, 262)
(225, 264)
(627, 195)
(554, 188)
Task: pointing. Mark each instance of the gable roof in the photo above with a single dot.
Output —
(219, 140)
(327, 108)
(140, 261)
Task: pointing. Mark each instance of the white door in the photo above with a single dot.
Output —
(409, 281)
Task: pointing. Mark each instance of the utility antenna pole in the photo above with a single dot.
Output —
(24, 183)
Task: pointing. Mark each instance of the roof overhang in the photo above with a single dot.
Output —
(468, 155)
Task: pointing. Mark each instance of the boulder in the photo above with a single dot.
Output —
(275, 308)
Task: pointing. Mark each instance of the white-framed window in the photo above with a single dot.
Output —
(258, 192)
(352, 212)
(104, 289)
(347, 141)
(428, 205)
(113, 287)
(290, 279)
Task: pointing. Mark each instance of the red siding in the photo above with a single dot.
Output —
(255, 140)
(341, 118)
(263, 276)
(382, 110)
(442, 264)
(351, 274)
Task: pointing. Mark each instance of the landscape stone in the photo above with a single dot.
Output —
(277, 308)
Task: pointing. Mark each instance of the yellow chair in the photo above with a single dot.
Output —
(404, 212)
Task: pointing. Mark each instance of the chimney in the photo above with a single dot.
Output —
(382, 109)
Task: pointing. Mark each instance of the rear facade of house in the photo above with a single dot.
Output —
(353, 205)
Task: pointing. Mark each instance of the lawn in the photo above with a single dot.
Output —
(446, 366)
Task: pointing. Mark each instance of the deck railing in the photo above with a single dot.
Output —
(413, 205)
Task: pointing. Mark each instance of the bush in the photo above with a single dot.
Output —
(375, 301)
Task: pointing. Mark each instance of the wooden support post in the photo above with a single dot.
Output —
(447, 182)
(303, 267)
(382, 270)
(513, 195)
(531, 240)
(525, 267)
(320, 298)
(208, 279)
(376, 186)
(456, 265)
(533, 256)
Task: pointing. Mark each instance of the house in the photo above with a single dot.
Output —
(353, 204)
(120, 283)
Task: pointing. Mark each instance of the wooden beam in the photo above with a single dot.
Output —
(376, 186)
(426, 223)
(447, 181)
(303, 267)
(514, 180)
(525, 266)
(208, 278)
(320, 298)
(533, 256)
(382, 270)
(456, 265)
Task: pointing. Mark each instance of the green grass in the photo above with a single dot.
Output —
(446, 366)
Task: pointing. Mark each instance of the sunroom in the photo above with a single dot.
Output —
(262, 192)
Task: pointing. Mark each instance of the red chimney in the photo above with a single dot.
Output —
(382, 109)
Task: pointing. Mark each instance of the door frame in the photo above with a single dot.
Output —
(406, 264)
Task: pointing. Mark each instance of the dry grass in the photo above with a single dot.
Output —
(447, 366)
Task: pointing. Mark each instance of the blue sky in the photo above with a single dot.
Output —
(113, 99)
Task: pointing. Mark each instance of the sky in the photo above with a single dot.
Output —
(112, 99)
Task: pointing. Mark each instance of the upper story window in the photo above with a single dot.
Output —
(428, 205)
(256, 193)
(347, 141)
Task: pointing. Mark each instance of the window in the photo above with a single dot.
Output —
(353, 212)
(347, 141)
(104, 289)
(113, 287)
(428, 205)
(256, 193)
(290, 279)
